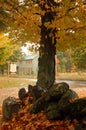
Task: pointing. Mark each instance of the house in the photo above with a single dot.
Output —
(29, 64)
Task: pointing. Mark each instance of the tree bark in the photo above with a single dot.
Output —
(46, 72)
(46, 62)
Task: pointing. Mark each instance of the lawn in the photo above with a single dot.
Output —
(72, 76)
(10, 82)
(7, 82)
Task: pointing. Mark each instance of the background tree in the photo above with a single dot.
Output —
(79, 57)
(65, 63)
(9, 52)
(6, 48)
(55, 24)
(16, 56)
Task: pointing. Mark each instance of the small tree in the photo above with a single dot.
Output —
(79, 58)
(6, 48)
(64, 61)
(8, 52)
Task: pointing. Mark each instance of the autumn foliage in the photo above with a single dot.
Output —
(56, 24)
(26, 121)
(38, 121)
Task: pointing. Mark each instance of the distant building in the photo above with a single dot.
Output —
(29, 64)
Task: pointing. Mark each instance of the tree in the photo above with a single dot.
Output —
(64, 62)
(16, 56)
(9, 52)
(79, 57)
(55, 24)
(6, 48)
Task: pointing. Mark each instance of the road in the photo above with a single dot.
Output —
(73, 83)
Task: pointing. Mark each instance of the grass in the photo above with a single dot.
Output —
(72, 76)
(6, 82)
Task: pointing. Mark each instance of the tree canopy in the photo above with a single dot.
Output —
(54, 24)
(23, 20)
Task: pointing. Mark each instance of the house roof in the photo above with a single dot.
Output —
(30, 56)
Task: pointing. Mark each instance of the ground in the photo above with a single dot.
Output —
(78, 86)
(13, 92)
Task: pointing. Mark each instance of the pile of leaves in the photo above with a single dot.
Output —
(26, 121)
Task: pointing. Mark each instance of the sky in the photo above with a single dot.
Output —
(25, 49)
(28, 45)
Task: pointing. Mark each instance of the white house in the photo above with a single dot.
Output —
(29, 64)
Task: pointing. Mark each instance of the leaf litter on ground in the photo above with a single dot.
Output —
(26, 121)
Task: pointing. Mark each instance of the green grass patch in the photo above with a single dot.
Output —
(10, 82)
(6, 82)
(72, 76)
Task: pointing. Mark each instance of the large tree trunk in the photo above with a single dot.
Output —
(46, 72)
(46, 63)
